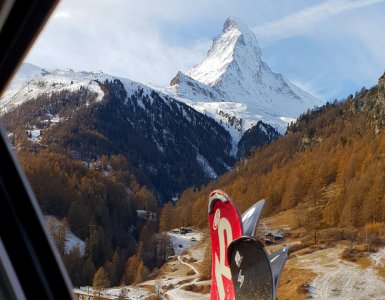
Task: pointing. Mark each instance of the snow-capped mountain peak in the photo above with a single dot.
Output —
(235, 49)
(234, 76)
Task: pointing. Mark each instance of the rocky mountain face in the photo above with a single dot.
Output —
(256, 136)
(235, 80)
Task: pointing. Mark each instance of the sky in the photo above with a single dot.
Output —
(330, 48)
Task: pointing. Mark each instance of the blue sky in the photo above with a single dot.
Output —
(330, 48)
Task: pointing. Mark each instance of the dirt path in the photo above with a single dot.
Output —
(189, 265)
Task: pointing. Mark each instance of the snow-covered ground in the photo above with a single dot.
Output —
(178, 294)
(340, 279)
(181, 242)
(71, 240)
(202, 161)
(378, 258)
(174, 275)
(113, 293)
(129, 293)
(34, 135)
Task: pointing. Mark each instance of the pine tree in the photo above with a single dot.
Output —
(100, 281)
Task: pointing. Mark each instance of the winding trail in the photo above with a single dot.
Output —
(189, 265)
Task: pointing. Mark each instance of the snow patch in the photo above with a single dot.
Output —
(263, 129)
(378, 258)
(181, 242)
(341, 279)
(129, 292)
(71, 240)
(34, 135)
(202, 161)
(177, 294)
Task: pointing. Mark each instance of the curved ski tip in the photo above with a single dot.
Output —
(215, 196)
(257, 206)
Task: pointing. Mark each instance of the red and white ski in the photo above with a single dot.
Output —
(225, 226)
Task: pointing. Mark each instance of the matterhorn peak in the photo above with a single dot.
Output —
(234, 24)
(235, 47)
(230, 23)
(232, 80)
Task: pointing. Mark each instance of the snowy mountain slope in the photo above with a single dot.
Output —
(95, 114)
(235, 117)
(234, 73)
(31, 81)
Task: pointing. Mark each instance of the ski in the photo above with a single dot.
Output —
(251, 217)
(225, 226)
(277, 262)
(250, 269)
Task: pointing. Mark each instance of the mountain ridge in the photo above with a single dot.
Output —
(159, 136)
(233, 71)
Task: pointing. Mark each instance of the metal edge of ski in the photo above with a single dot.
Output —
(225, 225)
(251, 270)
(251, 217)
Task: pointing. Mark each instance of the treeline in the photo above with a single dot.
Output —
(97, 201)
(339, 147)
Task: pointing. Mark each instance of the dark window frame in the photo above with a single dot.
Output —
(28, 247)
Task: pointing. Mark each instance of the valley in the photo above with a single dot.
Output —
(312, 271)
(128, 167)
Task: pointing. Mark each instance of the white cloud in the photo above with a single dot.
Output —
(61, 14)
(121, 38)
(303, 20)
(308, 86)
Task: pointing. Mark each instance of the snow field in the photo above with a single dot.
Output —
(340, 279)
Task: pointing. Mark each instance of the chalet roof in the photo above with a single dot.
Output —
(274, 234)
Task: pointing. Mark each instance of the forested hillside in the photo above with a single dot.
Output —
(339, 147)
(103, 157)
(98, 203)
(98, 164)
(160, 138)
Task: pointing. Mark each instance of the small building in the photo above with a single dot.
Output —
(182, 230)
(185, 230)
(273, 238)
(146, 215)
